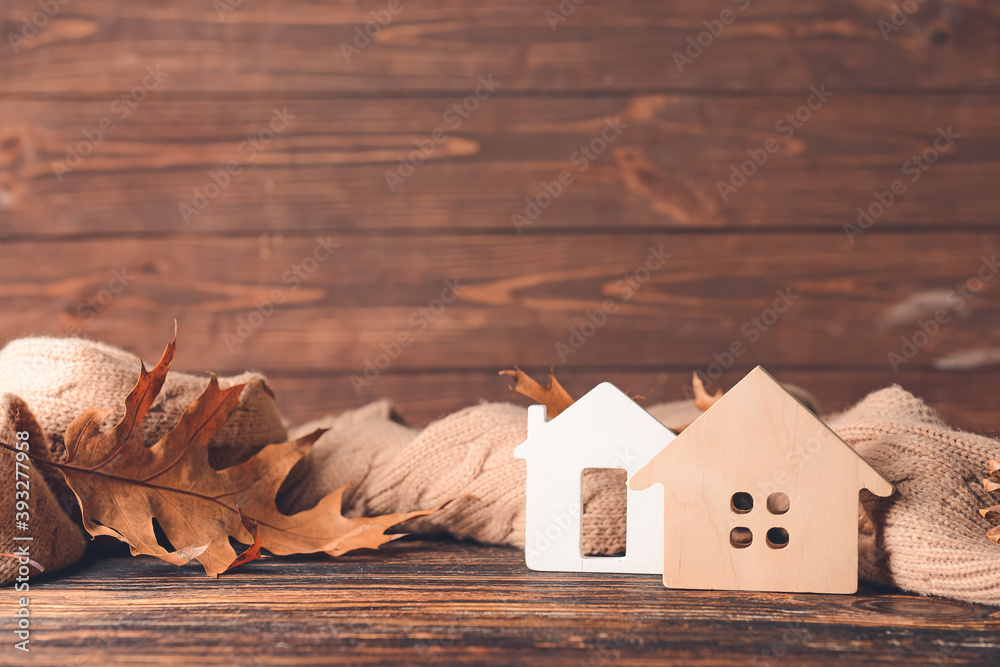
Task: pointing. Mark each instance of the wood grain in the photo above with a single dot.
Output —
(524, 296)
(520, 299)
(441, 603)
(100, 46)
(326, 170)
(421, 397)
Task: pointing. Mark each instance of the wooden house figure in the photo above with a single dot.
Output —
(604, 429)
(760, 494)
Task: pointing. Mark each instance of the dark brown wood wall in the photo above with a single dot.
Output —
(156, 97)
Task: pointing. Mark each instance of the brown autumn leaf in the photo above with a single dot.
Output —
(553, 397)
(702, 399)
(122, 486)
(675, 415)
(991, 513)
(992, 484)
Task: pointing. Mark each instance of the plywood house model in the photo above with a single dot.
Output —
(759, 494)
(604, 429)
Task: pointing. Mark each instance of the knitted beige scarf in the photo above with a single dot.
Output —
(927, 538)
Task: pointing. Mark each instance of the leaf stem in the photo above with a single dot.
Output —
(62, 467)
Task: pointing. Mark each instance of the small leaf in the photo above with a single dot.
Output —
(992, 483)
(253, 551)
(553, 397)
(702, 400)
(991, 513)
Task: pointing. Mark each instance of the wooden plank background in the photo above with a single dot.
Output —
(77, 86)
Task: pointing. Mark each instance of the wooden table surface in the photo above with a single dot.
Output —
(425, 603)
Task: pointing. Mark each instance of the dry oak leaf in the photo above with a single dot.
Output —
(122, 486)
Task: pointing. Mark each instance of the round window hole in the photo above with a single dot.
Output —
(777, 503)
(777, 538)
(741, 502)
(740, 538)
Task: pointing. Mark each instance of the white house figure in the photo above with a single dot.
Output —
(604, 429)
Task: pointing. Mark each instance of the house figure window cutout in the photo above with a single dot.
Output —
(760, 494)
(604, 429)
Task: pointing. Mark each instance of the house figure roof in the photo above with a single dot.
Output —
(605, 407)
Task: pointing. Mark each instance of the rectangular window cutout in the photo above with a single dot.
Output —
(604, 503)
